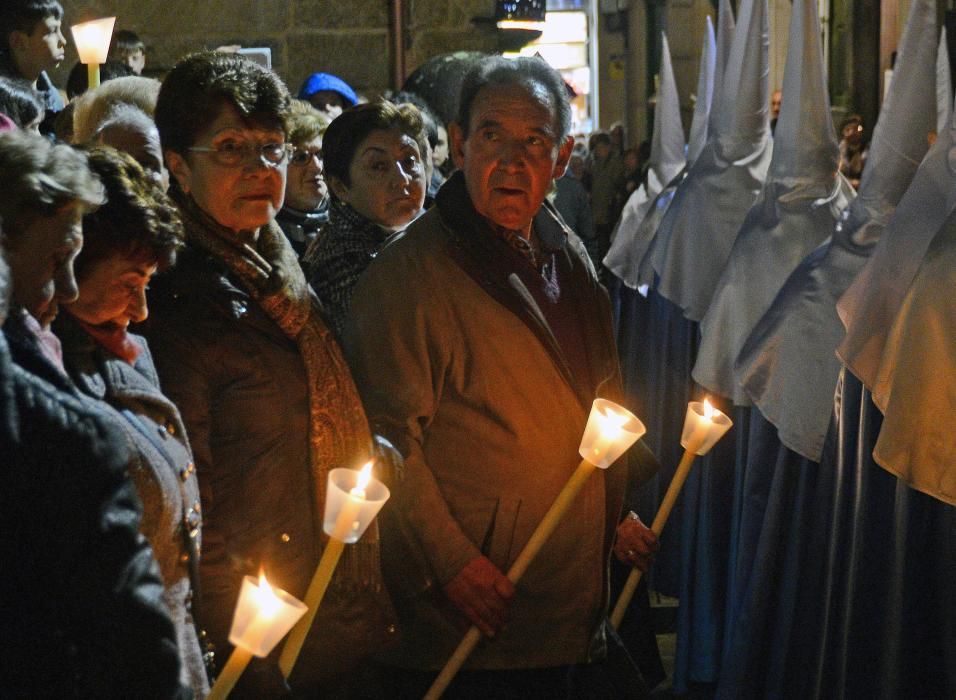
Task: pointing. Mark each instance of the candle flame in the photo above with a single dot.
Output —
(612, 423)
(268, 602)
(365, 475)
(709, 411)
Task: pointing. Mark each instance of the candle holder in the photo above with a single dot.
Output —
(703, 427)
(92, 41)
(352, 500)
(263, 617)
(610, 431)
(346, 516)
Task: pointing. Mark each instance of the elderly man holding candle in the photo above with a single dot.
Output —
(482, 371)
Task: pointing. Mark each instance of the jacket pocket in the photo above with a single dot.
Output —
(500, 535)
(404, 564)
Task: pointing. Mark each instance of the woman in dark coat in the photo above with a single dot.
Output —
(83, 614)
(374, 164)
(131, 237)
(242, 349)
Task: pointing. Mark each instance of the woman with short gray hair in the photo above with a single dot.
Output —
(242, 348)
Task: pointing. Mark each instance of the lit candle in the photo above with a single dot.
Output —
(92, 41)
(610, 431)
(346, 522)
(262, 618)
(352, 501)
(704, 425)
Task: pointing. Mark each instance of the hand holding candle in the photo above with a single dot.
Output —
(352, 500)
(610, 431)
(704, 425)
(263, 616)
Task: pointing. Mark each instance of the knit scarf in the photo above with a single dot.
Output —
(339, 434)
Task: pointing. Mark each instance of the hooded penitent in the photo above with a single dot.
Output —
(667, 160)
(787, 366)
(712, 61)
(871, 303)
(797, 209)
(918, 376)
(699, 228)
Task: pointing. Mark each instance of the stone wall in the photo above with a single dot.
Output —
(350, 38)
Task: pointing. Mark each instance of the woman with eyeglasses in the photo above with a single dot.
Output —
(374, 162)
(242, 348)
(306, 207)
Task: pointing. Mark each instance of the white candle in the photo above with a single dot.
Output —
(92, 40)
(267, 608)
(704, 425)
(347, 521)
(610, 431)
(263, 617)
(348, 513)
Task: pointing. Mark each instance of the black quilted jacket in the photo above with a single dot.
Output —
(81, 612)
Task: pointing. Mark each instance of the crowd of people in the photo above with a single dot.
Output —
(215, 290)
(214, 293)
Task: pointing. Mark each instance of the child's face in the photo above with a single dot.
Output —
(45, 46)
(136, 61)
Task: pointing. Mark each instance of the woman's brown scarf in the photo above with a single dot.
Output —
(339, 434)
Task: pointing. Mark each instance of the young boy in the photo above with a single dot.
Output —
(32, 42)
(128, 48)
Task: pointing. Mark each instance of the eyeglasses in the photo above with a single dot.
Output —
(302, 156)
(234, 153)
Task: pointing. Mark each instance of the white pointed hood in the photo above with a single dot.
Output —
(667, 144)
(707, 84)
(744, 122)
(897, 147)
(944, 85)
(805, 146)
(699, 228)
(899, 144)
(726, 27)
(797, 336)
(798, 208)
(666, 161)
(705, 91)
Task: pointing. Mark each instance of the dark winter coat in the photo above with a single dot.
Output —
(162, 470)
(81, 594)
(469, 378)
(241, 387)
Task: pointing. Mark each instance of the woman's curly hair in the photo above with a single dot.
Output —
(138, 221)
